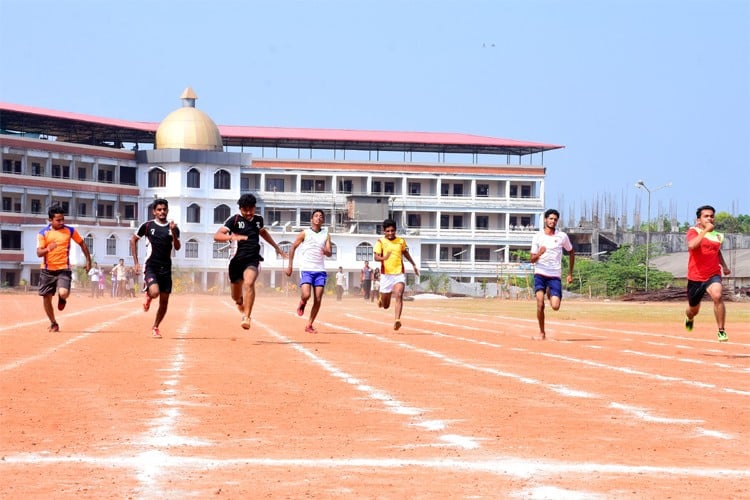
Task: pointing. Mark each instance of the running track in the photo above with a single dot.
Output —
(461, 403)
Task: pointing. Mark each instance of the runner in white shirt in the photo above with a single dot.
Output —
(546, 253)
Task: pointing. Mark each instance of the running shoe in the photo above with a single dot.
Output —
(53, 327)
(301, 308)
(722, 336)
(155, 333)
(310, 329)
(61, 302)
(688, 324)
(147, 303)
(245, 322)
(397, 325)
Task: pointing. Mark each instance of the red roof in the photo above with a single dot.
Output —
(87, 129)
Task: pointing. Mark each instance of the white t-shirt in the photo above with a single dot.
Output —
(311, 249)
(550, 262)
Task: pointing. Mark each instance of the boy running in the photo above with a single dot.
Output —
(53, 245)
(390, 252)
(315, 245)
(245, 228)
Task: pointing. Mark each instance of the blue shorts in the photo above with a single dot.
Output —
(552, 286)
(314, 278)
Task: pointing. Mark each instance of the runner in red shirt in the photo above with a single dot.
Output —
(705, 265)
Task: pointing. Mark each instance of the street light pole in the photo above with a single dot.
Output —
(642, 185)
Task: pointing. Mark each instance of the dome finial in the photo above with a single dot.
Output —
(188, 98)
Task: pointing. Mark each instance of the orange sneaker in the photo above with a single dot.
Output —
(310, 329)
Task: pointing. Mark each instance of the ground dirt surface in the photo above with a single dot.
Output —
(619, 402)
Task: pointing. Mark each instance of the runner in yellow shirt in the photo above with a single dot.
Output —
(390, 251)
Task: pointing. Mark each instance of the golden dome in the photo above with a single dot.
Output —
(188, 128)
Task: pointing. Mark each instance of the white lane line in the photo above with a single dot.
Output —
(44, 321)
(386, 399)
(502, 466)
(70, 341)
(560, 389)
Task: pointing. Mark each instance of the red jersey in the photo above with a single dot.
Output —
(704, 261)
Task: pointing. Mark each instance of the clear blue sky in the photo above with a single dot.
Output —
(635, 89)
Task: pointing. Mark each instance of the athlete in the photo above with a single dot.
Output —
(390, 252)
(163, 235)
(705, 265)
(53, 245)
(246, 228)
(314, 244)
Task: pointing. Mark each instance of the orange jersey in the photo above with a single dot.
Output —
(59, 258)
(395, 263)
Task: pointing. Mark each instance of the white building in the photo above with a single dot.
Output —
(463, 202)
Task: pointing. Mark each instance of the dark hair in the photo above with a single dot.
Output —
(157, 202)
(54, 210)
(247, 200)
(318, 210)
(702, 208)
(389, 223)
(551, 211)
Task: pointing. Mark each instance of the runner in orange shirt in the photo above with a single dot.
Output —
(53, 245)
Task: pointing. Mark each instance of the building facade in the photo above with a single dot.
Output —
(463, 202)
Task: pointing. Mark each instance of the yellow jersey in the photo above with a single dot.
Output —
(395, 263)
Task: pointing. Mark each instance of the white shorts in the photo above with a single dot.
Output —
(387, 281)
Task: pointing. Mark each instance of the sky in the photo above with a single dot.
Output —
(652, 90)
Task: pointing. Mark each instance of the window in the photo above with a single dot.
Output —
(129, 211)
(89, 240)
(36, 206)
(482, 254)
(364, 252)
(483, 222)
(334, 251)
(445, 189)
(82, 209)
(222, 180)
(445, 221)
(128, 175)
(36, 169)
(65, 205)
(415, 188)
(376, 187)
(221, 213)
(222, 250)
(108, 175)
(304, 217)
(66, 172)
(112, 245)
(244, 184)
(389, 187)
(7, 203)
(193, 178)
(7, 166)
(458, 222)
(56, 171)
(458, 190)
(320, 185)
(191, 249)
(483, 189)
(193, 213)
(105, 211)
(345, 186)
(525, 191)
(307, 185)
(276, 185)
(157, 178)
(513, 191)
(10, 240)
(81, 173)
(414, 220)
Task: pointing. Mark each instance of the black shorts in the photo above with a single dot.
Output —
(49, 281)
(160, 275)
(237, 268)
(697, 289)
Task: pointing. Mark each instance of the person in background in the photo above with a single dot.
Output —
(375, 292)
(341, 284)
(53, 246)
(94, 277)
(547, 247)
(365, 278)
(246, 228)
(163, 235)
(390, 252)
(314, 245)
(705, 266)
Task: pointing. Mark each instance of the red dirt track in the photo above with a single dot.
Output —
(620, 402)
